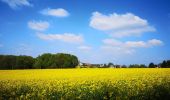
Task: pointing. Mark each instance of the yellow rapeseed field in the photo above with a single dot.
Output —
(86, 84)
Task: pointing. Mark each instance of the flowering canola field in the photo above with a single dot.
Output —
(86, 84)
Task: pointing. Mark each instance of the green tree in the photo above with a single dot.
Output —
(168, 63)
(7, 61)
(24, 62)
(134, 66)
(123, 66)
(43, 61)
(142, 66)
(151, 65)
(164, 64)
(59, 60)
(110, 64)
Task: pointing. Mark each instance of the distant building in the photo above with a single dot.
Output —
(112, 66)
(88, 65)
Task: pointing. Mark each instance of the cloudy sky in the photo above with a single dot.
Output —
(97, 31)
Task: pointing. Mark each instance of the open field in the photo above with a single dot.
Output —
(86, 84)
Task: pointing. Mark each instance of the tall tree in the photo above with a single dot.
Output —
(59, 60)
(164, 64)
(110, 64)
(143, 66)
(168, 63)
(151, 65)
(24, 62)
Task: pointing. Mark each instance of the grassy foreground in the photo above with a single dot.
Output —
(86, 84)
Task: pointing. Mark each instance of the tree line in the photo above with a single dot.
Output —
(61, 60)
(163, 64)
(44, 61)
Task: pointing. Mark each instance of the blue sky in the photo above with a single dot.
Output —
(96, 31)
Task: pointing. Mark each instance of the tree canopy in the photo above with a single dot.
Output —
(165, 64)
(59, 60)
(137, 66)
(151, 65)
(43, 61)
(16, 62)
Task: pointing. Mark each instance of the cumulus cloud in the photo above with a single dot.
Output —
(38, 25)
(17, 3)
(120, 25)
(60, 12)
(133, 44)
(84, 48)
(149, 43)
(129, 46)
(112, 42)
(155, 42)
(66, 37)
(136, 44)
(117, 50)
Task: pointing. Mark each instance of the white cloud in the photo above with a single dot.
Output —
(60, 12)
(38, 25)
(16, 3)
(128, 46)
(112, 42)
(117, 49)
(131, 32)
(135, 44)
(149, 43)
(155, 42)
(84, 48)
(66, 37)
(120, 25)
